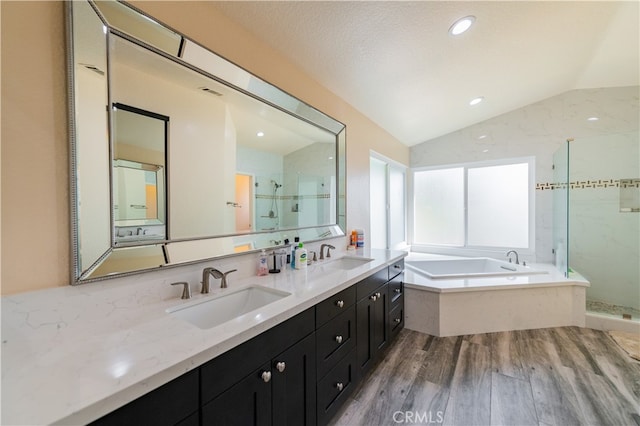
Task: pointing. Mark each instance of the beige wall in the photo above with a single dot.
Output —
(35, 214)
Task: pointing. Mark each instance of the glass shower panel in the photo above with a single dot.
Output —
(605, 238)
(560, 187)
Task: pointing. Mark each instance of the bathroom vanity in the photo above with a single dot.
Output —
(114, 354)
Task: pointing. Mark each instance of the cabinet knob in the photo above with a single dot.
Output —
(339, 339)
(339, 386)
(281, 366)
(378, 295)
(398, 290)
(373, 297)
(397, 266)
(266, 376)
(397, 320)
(340, 303)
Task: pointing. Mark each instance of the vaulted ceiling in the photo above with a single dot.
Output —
(395, 62)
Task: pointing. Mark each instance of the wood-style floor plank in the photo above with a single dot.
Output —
(555, 376)
(511, 401)
(470, 395)
(505, 357)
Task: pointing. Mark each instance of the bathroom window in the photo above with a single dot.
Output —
(387, 203)
(488, 205)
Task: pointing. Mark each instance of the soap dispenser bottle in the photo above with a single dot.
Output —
(263, 267)
(301, 257)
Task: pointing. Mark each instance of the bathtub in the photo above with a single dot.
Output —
(453, 296)
(476, 267)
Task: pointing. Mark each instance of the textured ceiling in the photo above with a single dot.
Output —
(395, 62)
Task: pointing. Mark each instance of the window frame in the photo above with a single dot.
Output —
(466, 249)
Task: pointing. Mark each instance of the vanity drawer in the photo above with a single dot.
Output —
(369, 284)
(395, 268)
(335, 339)
(335, 305)
(396, 319)
(335, 387)
(396, 289)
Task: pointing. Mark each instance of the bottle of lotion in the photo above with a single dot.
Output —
(263, 267)
(301, 257)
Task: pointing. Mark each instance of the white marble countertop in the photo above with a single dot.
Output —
(551, 278)
(72, 354)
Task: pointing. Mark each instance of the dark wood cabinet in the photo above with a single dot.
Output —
(173, 403)
(294, 384)
(336, 386)
(372, 327)
(280, 392)
(248, 402)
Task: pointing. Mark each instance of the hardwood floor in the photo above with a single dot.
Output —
(555, 376)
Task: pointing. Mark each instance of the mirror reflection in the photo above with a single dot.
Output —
(139, 190)
(203, 157)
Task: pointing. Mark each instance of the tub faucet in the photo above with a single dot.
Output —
(206, 278)
(509, 256)
(329, 248)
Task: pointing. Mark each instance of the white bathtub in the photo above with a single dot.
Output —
(468, 268)
(447, 296)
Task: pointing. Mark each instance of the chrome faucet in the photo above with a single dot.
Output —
(509, 256)
(329, 248)
(206, 278)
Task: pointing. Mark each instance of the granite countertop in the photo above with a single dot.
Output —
(72, 354)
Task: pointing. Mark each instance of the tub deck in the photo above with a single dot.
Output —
(452, 307)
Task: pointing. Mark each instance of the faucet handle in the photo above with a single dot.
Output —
(186, 290)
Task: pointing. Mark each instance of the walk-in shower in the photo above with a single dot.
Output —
(597, 219)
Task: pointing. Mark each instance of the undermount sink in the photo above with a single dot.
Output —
(348, 262)
(216, 310)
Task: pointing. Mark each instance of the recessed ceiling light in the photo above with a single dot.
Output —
(476, 101)
(330, 158)
(260, 134)
(485, 150)
(482, 136)
(593, 119)
(461, 25)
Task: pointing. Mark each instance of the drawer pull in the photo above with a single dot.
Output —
(373, 297)
(266, 376)
(281, 366)
(398, 320)
(398, 290)
(340, 303)
(397, 266)
(339, 339)
(378, 295)
(339, 386)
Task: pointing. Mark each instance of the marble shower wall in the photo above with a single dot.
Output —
(604, 243)
(539, 130)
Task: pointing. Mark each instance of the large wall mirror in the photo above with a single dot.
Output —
(179, 155)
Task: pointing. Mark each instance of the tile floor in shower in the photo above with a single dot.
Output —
(614, 311)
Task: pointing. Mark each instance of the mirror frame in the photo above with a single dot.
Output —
(236, 78)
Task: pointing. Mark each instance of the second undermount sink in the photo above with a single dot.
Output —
(210, 312)
(348, 262)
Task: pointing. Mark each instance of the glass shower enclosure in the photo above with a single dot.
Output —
(597, 219)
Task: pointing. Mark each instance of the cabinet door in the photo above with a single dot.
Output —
(371, 325)
(168, 405)
(294, 384)
(248, 402)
